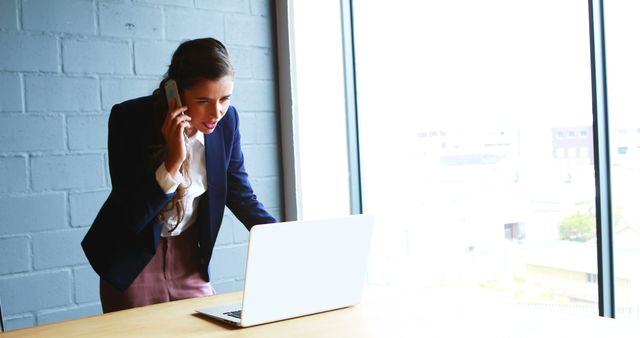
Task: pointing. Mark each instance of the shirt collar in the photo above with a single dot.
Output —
(199, 136)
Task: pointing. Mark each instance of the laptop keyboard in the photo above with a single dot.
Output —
(235, 314)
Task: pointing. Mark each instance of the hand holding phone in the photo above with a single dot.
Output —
(176, 152)
(173, 95)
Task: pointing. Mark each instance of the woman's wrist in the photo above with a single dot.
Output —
(173, 168)
(168, 182)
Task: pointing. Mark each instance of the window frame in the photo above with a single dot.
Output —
(602, 163)
(290, 141)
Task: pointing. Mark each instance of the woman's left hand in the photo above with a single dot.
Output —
(173, 130)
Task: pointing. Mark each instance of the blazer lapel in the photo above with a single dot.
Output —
(210, 219)
(215, 158)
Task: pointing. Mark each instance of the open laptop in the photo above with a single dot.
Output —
(300, 268)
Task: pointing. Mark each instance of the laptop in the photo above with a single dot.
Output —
(300, 268)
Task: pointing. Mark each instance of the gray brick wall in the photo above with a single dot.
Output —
(63, 64)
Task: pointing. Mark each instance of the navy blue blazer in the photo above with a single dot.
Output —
(124, 236)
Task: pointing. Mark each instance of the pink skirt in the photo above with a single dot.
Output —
(172, 274)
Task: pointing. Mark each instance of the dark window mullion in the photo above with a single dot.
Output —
(604, 228)
(351, 107)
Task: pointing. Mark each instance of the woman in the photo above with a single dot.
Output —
(173, 169)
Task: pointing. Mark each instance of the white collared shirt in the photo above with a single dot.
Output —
(169, 184)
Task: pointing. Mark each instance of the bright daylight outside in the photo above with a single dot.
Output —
(622, 28)
(476, 139)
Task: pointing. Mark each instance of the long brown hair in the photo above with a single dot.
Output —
(193, 61)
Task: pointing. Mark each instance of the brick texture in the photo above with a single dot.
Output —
(268, 188)
(19, 133)
(86, 285)
(153, 57)
(255, 95)
(32, 213)
(118, 90)
(70, 172)
(11, 93)
(19, 322)
(185, 23)
(87, 132)
(13, 174)
(248, 30)
(228, 261)
(31, 292)
(238, 6)
(85, 206)
(267, 130)
(69, 16)
(261, 8)
(63, 65)
(70, 94)
(51, 249)
(75, 312)
(130, 20)
(14, 254)
(25, 52)
(257, 162)
(9, 14)
(96, 56)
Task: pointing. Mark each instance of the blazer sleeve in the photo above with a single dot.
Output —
(241, 199)
(136, 197)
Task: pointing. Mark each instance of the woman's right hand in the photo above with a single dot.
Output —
(173, 132)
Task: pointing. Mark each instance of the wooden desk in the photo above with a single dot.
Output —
(383, 313)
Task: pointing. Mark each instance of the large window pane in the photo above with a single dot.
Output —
(622, 29)
(476, 147)
(323, 183)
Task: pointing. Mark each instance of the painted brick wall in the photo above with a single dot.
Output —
(63, 64)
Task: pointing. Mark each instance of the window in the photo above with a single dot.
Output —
(316, 133)
(508, 102)
(623, 70)
(470, 131)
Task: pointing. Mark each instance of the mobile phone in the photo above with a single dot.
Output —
(171, 90)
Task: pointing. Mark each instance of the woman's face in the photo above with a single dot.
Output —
(207, 101)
